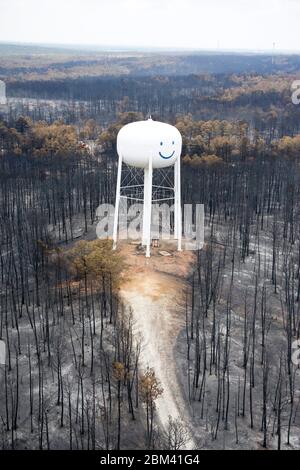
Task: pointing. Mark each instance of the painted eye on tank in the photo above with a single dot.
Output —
(173, 142)
(161, 143)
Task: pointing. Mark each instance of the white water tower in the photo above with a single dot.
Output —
(149, 145)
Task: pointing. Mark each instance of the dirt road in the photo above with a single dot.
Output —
(157, 300)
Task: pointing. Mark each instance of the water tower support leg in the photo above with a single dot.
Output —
(175, 202)
(178, 213)
(116, 214)
(149, 208)
(145, 207)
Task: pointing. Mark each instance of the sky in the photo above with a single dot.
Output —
(177, 24)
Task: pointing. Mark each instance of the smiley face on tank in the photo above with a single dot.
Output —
(144, 141)
(169, 149)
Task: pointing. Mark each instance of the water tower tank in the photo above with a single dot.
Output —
(138, 141)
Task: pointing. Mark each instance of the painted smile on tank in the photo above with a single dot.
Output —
(169, 156)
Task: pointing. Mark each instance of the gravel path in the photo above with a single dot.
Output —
(155, 299)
